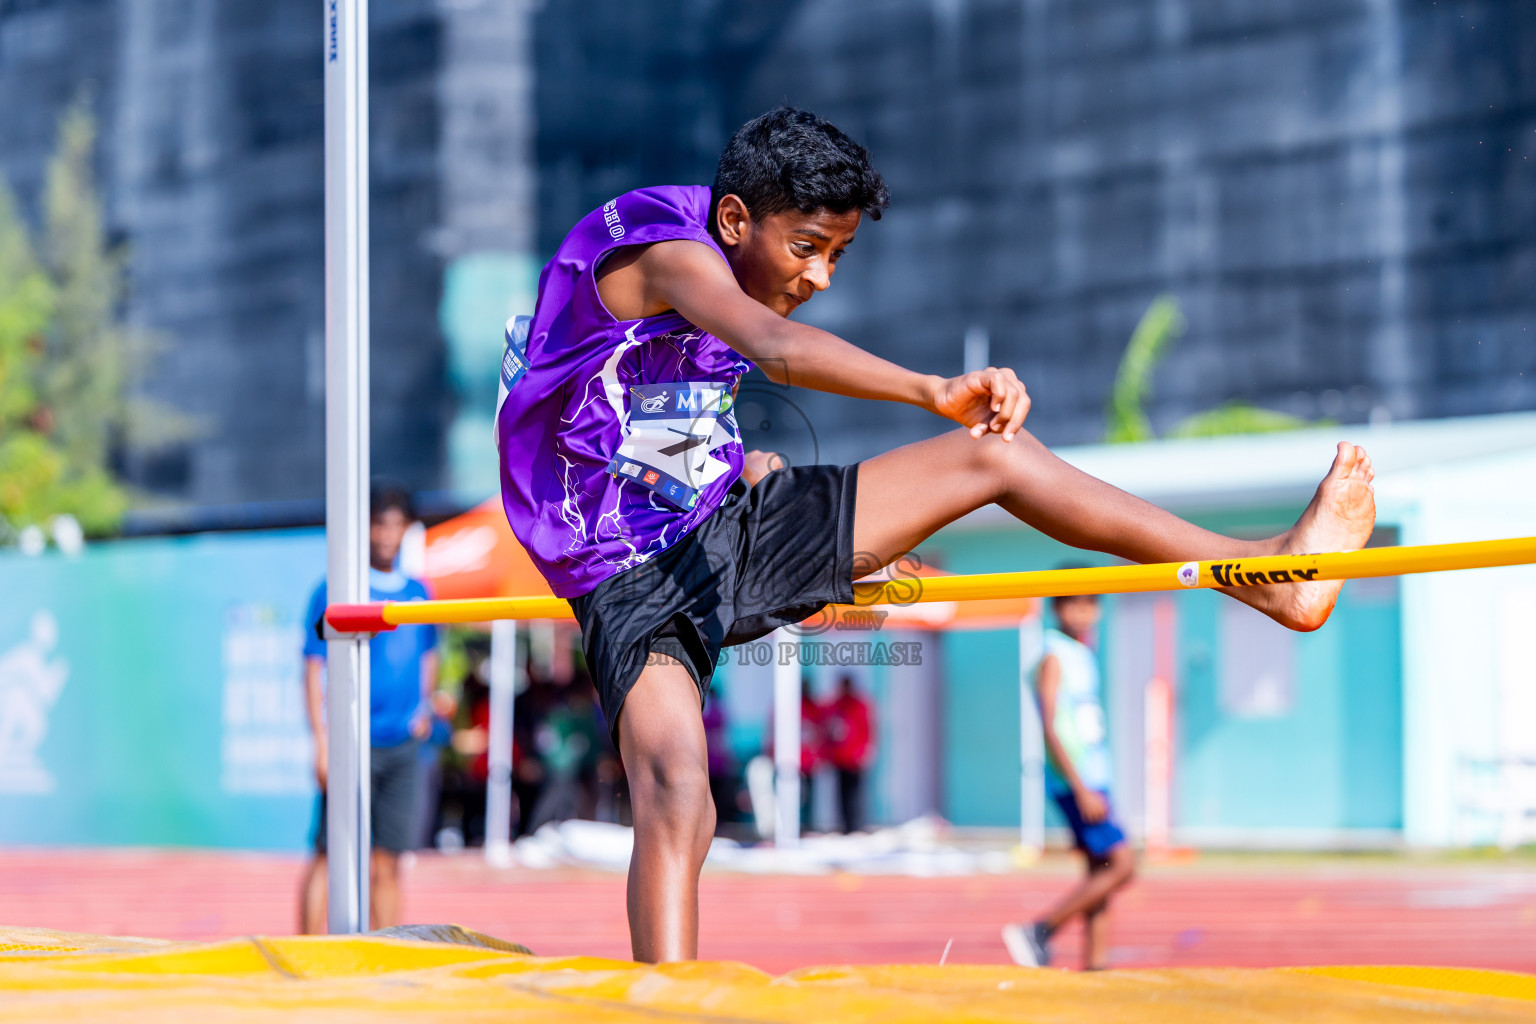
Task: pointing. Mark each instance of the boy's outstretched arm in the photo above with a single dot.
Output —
(1047, 684)
(691, 278)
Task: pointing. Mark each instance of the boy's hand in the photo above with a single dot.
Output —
(755, 465)
(1094, 807)
(984, 401)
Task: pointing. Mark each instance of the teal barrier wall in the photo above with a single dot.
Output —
(1327, 756)
(981, 682)
(1315, 748)
(981, 727)
(150, 693)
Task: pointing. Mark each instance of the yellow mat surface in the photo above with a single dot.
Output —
(55, 977)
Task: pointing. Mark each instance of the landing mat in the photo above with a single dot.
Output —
(57, 977)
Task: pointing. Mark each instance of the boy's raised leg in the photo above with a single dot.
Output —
(661, 739)
(907, 494)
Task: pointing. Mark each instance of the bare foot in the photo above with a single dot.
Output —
(1340, 518)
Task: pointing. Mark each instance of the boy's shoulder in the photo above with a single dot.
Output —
(688, 202)
(1055, 638)
(644, 215)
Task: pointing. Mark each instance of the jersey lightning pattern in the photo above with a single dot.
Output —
(617, 437)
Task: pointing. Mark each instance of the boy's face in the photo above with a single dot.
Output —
(386, 531)
(781, 260)
(1077, 615)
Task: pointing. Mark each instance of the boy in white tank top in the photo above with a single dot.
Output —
(1078, 776)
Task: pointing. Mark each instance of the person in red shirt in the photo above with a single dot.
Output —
(849, 730)
(812, 751)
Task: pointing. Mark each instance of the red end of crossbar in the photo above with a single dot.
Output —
(358, 618)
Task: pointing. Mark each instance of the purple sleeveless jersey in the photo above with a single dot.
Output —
(617, 437)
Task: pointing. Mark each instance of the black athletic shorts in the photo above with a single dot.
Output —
(396, 791)
(769, 556)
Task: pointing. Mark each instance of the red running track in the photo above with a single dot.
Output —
(1236, 913)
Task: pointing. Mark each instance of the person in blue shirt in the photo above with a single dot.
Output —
(403, 674)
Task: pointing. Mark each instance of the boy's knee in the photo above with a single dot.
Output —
(1122, 861)
(675, 788)
(1001, 462)
(384, 865)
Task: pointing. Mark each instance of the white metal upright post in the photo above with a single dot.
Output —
(1158, 743)
(786, 739)
(346, 453)
(1031, 742)
(498, 788)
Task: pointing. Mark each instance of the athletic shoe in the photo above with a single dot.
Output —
(1028, 944)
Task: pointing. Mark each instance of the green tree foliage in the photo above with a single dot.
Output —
(1126, 418)
(66, 359)
(26, 306)
(83, 368)
(29, 466)
(1236, 418)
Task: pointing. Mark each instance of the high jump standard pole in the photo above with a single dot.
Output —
(498, 784)
(786, 738)
(346, 455)
(1031, 742)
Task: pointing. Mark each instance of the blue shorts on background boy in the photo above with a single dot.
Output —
(1097, 838)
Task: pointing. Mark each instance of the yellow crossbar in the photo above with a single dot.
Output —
(1114, 579)
(475, 609)
(1241, 572)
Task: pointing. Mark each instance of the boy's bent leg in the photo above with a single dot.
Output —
(1096, 917)
(384, 882)
(1105, 877)
(907, 494)
(661, 739)
(1096, 937)
(312, 897)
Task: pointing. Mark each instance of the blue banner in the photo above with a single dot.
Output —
(151, 693)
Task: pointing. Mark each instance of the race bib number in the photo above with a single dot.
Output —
(670, 438)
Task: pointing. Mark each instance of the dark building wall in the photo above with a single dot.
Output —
(50, 54)
(1337, 191)
(212, 121)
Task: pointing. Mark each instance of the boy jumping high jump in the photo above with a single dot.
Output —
(622, 465)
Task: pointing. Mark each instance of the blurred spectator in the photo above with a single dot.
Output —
(567, 744)
(464, 777)
(812, 752)
(610, 784)
(563, 766)
(443, 707)
(724, 778)
(403, 672)
(528, 709)
(849, 729)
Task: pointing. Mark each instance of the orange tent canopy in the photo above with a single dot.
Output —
(476, 555)
(1005, 613)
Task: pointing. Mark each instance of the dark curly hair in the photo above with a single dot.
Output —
(792, 159)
